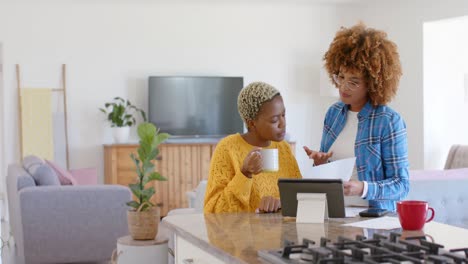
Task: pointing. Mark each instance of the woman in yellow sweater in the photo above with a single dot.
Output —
(236, 182)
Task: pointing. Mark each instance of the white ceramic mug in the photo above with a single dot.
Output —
(270, 160)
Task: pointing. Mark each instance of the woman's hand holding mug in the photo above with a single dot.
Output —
(260, 160)
(253, 163)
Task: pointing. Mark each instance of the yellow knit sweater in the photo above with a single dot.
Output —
(229, 190)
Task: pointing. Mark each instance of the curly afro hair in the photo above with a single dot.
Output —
(369, 51)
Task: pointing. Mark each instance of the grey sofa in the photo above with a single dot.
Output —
(445, 191)
(64, 224)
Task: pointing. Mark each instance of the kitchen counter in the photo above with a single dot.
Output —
(236, 237)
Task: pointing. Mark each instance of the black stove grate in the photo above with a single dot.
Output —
(378, 249)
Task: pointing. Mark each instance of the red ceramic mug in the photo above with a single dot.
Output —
(413, 214)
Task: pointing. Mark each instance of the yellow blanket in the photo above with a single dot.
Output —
(37, 126)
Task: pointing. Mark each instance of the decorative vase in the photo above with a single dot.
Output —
(143, 225)
(121, 134)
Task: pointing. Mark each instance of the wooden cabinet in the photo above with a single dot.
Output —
(184, 165)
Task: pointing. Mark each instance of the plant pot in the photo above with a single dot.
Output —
(143, 225)
(121, 134)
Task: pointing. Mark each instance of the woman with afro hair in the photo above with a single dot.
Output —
(365, 67)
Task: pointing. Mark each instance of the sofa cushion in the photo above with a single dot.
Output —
(85, 176)
(457, 157)
(45, 175)
(18, 178)
(200, 196)
(31, 163)
(65, 177)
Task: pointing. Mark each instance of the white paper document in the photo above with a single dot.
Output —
(339, 169)
(353, 211)
(384, 222)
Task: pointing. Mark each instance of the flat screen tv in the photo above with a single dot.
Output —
(190, 106)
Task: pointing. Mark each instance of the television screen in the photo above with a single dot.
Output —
(195, 106)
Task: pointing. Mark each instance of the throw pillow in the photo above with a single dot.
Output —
(64, 176)
(200, 196)
(45, 175)
(31, 163)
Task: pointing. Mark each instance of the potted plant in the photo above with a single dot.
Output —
(120, 113)
(143, 217)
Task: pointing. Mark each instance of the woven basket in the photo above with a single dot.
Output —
(143, 225)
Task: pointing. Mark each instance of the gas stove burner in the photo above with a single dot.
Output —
(378, 249)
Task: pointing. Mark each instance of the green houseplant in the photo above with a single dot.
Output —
(143, 217)
(121, 115)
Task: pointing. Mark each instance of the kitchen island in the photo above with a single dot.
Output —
(237, 237)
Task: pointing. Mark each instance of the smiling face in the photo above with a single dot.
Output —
(270, 123)
(353, 88)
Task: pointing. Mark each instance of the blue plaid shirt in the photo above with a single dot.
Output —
(381, 151)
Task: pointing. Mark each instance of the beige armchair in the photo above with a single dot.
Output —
(457, 157)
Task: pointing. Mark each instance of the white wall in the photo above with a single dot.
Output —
(445, 105)
(403, 21)
(111, 47)
(2, 149)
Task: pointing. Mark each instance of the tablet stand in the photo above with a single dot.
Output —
(311, 208)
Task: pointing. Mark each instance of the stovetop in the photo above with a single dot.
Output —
(378, 249)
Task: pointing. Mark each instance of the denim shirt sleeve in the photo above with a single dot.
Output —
(394, 156)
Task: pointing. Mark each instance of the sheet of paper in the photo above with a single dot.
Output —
(339, 169)
(353, 211)
(384, 222)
